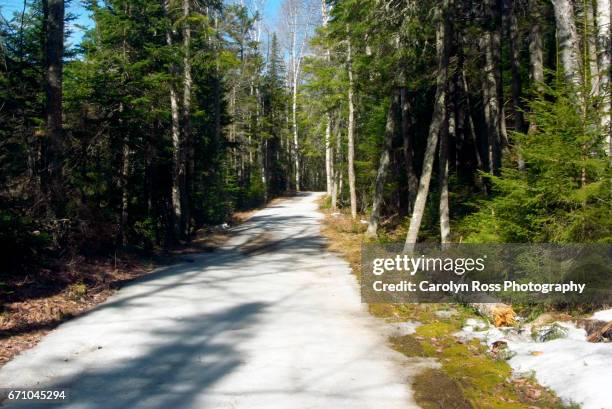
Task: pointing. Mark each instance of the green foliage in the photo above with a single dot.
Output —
(117, 151)
(564, 194)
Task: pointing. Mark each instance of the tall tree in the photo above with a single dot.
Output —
(536, 51)
(383, 166)
(53, 22)
(298, 20)
(604, 59)
(329, 163)
(491, 86)
(186, 142)
(178, 166)
(408, 147)
(351, 126)
(438, 122)
(569, 44)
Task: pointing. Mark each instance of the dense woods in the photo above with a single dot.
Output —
(443, 120)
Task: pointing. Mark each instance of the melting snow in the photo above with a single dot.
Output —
(578, 371)
(604, 315)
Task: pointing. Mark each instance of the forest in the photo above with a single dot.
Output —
(436, 120)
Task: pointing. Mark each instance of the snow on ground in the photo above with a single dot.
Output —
(578, 371)
(604, 315)
(404, 328)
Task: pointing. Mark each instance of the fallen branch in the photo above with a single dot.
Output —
(599, 331)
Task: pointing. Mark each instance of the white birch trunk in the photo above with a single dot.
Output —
(328, 149)
(296, 143)
(445, 136)
(568, 41)
(351, 132)
(591, 30)
(603, 61)
(536, 53)
(336, 185)
(437, 122)
(328, 156)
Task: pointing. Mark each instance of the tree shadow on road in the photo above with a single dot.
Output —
(180, 363)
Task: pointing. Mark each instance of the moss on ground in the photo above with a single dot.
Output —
(434, 389)
(469, 377)
(407, 345)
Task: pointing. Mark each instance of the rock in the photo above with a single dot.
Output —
(548, 332)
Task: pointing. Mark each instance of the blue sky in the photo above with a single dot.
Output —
(8, 7)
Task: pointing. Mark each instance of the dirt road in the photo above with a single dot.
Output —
(271, 320)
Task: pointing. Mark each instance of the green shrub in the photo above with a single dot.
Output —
(565, 191)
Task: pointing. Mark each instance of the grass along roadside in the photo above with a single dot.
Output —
(470, 376)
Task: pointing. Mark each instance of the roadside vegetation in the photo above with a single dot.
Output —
(471, 374)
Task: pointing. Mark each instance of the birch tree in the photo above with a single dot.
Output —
(351, 127)
(603, 61)
(536, 52)
(568, 42)
(177, 165)
(438, 122)
(329, 164)
(298, 19)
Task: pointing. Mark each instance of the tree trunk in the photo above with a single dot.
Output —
(329, 165)
(123, 180)
(263, 153)
(515, 67)
(536, 53)
(491, 88)
(568, 42)
(408, 149)
(351, 132)
(438, 121)
(53, 20)
(177, 165)
(512, 34)
(296, 144)
(446, 134)
(336, 185)
(465, 89)
(489, 93)
(381, 175)
(536, 49)
(603, 61)
(185, 149)
(591, 30)
(329, 172)
(125, 172)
